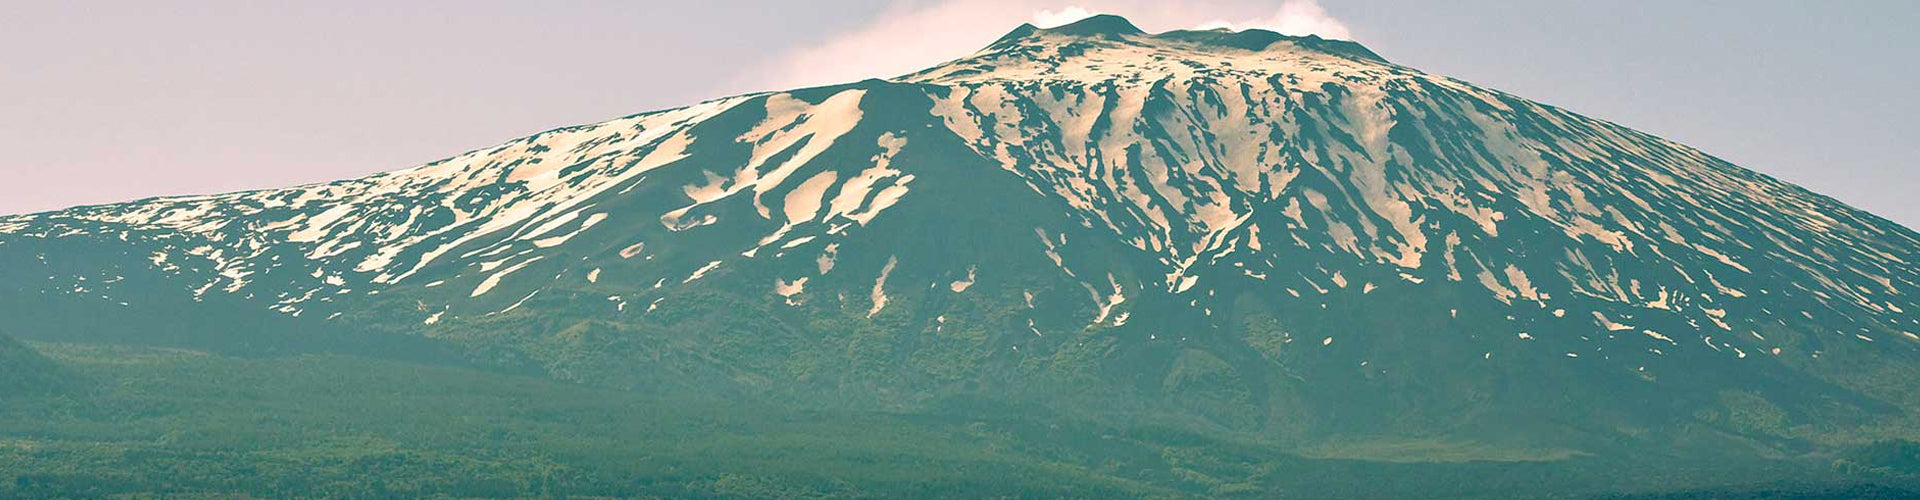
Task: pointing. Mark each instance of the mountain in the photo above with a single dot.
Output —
(1287, 240)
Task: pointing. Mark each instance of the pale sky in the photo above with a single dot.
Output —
(104, 101)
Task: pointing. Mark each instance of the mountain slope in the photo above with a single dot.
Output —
(24, 372)
(1290, 239)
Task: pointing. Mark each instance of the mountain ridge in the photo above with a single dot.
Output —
(1112, 27)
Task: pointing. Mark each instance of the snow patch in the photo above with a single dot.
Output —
(880, 287)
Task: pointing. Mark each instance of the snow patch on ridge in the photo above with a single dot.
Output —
(879, 295)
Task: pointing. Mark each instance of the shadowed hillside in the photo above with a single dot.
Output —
(24, 372)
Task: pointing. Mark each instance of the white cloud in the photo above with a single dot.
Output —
(914, 35)
(1057, 18)
(902, 39)
(1296, 18)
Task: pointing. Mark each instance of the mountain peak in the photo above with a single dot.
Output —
(1110, 48)
(1098, 25)
(1111, 29)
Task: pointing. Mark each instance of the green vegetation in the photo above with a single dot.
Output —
(191, 423)
(24, 372)
(173, 423)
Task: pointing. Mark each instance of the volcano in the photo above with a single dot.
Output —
(1275, 239)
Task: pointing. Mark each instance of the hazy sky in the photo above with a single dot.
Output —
(108, 101)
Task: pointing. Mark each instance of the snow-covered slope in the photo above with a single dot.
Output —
(1283, 234)
(1175, 146)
